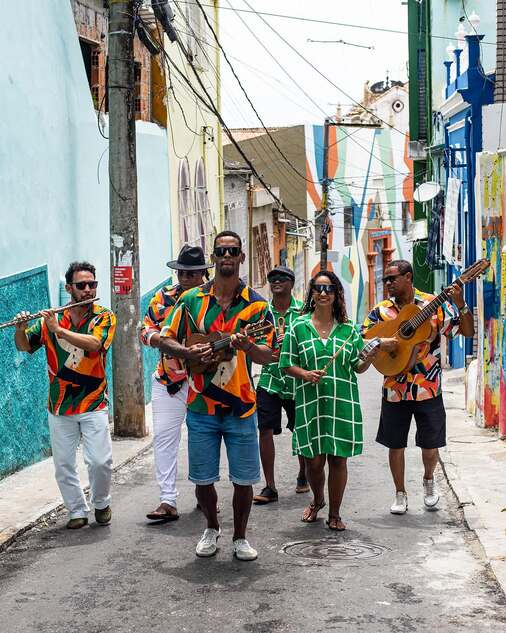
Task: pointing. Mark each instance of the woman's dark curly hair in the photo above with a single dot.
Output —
(339, 305)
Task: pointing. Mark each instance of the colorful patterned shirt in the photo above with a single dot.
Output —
(230, 387)
(77, 382)
(423, 381)
(271, 378)
(169, 371)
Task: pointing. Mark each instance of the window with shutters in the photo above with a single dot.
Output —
(195, 25)
(202, 208)
(91, 57)
(185, 206)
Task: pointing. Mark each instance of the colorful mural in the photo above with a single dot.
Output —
(370, 199)
(491, 387)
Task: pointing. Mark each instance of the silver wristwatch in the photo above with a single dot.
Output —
(465, 309)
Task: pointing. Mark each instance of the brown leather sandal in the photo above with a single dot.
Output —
(335, 523)
(165, 512)
(310, 513)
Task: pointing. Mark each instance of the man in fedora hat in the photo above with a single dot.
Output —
(170, 384)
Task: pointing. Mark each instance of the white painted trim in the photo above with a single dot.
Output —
(456, 126)
(453, 105)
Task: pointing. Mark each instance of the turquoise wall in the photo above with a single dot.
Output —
(54, 206)
(24, 436)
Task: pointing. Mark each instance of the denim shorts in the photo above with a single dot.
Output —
(204, 442)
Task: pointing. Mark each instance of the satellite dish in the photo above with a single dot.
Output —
(426, 191)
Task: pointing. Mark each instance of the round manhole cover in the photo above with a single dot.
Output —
(331, 550)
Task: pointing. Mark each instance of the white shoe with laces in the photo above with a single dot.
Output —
(430, 494)
(243, 550)
(400, 505)
(207, 546)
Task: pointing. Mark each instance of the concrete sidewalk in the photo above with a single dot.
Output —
(474, 463)
(31, 495)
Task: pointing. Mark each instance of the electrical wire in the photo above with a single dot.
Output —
(273, 140)
(207, 100)
(298, 85)
(256, 141)
(326, 22)
(323, 75)
(276, 61)
(213, 109)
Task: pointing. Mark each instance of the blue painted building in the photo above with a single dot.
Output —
(459, 125)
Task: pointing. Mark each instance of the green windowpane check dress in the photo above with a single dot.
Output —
(328, 418)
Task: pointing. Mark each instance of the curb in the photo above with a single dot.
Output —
(46, 513)
(472, 517)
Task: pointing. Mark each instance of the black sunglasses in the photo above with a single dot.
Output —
(326, 288)
(391, 278)
(221, 251)
(81, 285)
(279, 279)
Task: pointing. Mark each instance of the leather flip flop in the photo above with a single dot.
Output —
(165, 512)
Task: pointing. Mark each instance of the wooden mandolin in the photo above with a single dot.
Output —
(220, 344)
(412, 327)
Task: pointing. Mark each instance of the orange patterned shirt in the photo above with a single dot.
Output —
(77, 382)
(231, 385)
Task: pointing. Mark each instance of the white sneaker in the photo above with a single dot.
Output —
(243, 550)
(430, 494)
(400, 505)
(207, 546)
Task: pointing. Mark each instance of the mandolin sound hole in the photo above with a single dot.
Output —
(406, 330)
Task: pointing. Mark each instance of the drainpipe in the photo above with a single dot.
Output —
(470, 289)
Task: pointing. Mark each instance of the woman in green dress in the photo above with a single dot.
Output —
(328, 418)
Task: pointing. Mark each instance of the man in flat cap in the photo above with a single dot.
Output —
(276, 391)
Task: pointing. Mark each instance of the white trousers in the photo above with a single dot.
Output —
(169, 413)
(66, 431)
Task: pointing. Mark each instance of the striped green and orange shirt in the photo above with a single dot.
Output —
(169, 371)
(77, 381)
(230, 387)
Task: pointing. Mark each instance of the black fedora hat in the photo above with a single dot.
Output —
(190, 258)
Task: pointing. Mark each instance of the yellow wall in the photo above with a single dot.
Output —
(200, 135)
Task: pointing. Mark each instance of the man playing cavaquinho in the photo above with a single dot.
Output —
(222, 400)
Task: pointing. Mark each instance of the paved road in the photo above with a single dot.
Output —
(398, 574)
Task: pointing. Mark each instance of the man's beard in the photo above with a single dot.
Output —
(227, 271)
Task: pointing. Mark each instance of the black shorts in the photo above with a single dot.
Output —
(395, 420)
(269, 410)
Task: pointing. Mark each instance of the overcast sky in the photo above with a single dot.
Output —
(276, 97)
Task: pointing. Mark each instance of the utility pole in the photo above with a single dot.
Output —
(127, 363)
(324, 214)
(325, 228)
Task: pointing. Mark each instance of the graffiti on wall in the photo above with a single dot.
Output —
(491, 389)
(370, 196)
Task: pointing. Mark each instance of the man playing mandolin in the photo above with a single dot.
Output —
(416, 391)
(221, 398)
